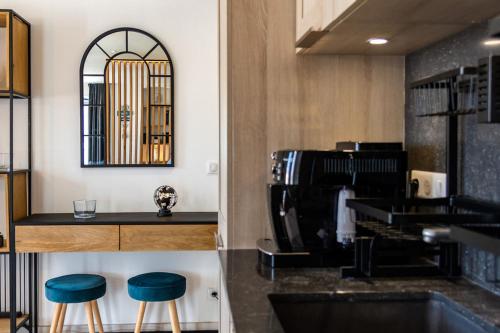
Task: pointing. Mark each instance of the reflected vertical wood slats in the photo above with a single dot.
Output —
(118, 112)
(111, 112)
(123, 112)
(138, 113)
(147, 121)
(153, 114)
(136, 91)
(165, 114)
(158, 116)
(106, 110)
(131, 120)
(141, 143)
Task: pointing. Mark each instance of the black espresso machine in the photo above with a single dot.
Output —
(311, 225)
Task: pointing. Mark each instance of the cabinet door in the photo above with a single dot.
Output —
(335, 9)
(69, 238)
(309, 17)
(196, 237)
(316, 17)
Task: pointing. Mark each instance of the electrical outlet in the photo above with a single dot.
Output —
(213, 294)
(212, 167)
(430, 184)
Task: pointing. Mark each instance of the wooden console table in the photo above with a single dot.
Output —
(112, 232)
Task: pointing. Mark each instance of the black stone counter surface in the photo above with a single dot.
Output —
(248, 288)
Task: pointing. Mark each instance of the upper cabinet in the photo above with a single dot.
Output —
(314, 18)
(345, 26)
(14, 37)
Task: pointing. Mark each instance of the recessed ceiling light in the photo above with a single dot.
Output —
(492, 42)
(377, 41)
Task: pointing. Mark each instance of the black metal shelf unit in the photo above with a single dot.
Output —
(440, 211)
(449, 94)
(391, 241)
(19, 276)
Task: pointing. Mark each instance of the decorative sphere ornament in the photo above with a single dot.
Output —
(165, 198)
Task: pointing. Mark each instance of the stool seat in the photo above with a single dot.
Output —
(75, 288)
(156, 287)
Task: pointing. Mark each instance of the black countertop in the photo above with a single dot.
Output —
(120, 219)
(248, 290)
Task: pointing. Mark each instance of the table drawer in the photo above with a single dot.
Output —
(168, 237)
(67, 238)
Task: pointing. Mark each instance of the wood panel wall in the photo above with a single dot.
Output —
(277, 100)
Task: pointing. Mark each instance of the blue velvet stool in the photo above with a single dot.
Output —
(75, 288)
(157, 287)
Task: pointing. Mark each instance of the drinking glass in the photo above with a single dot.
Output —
(4, 161)
(84, 209)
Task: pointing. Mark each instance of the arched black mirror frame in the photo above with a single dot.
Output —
(109, 58)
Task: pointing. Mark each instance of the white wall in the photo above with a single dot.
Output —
(61, 30)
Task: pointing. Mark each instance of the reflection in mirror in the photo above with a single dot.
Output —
(139, 44)
(127, 102)
(96, 61)
(114, 43)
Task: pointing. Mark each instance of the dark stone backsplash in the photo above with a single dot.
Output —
(425, 138)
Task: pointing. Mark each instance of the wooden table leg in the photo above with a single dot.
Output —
(55, 318)
(60, 324)
(90, 317)
(140, 317)
(97, 315)
(174, 319)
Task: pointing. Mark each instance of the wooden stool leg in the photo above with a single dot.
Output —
(174, 319)
(97, 315)
(55, 317)
(140, 317)
(90, 317)
(61, 318)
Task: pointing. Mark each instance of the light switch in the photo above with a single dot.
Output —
(212, 167)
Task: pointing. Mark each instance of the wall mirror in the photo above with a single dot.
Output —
(127, 101)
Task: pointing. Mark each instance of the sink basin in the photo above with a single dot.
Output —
(373, 313)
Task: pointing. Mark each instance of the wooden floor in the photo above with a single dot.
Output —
(4, 323)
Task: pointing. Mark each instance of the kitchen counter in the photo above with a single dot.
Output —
(248, 288)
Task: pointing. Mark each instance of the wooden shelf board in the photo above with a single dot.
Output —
(5, 325)
(3, 19)
(5, 248)
(17, 95)
(6, 172)
(408, 25)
